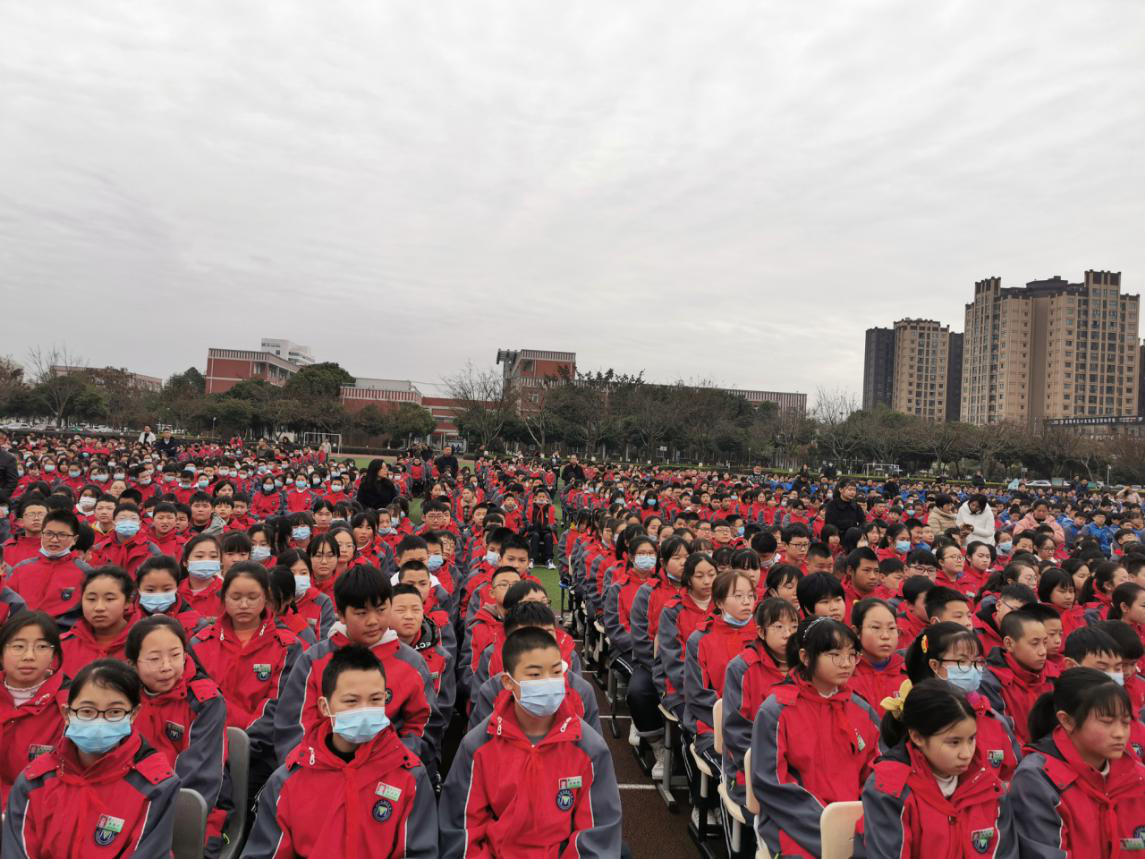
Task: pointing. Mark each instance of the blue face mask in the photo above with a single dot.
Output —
(300, 484)
(360, 725)
(902, 546)
(153, 603)
(731, 621)
(1005, 548)
(301, 585)
(300, 533)
(492, 558)
(739, 531)
(204, 569)
(98, 735)
(644, 563)
(204, 483)
(966, 679)
(259, 553)
(1117, 677)
(434, 563)
(127, 528)
(924, 546)
(541, 697)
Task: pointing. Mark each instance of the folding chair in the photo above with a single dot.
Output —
(238, 763)
(761, 851)
(734, 821)
(190, 825)
(672, 746)
(619, 673)
(837, 829)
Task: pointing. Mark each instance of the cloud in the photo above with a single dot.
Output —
(730, 192)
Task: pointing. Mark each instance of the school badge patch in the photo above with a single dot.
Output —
(174, 731)
(106, 828)
(37, 749)
(1136, 843)
(565, 788)
(262, 670)
(383, 808)
(389, 695)
(980, 839)
(995, 757)
(66, 593)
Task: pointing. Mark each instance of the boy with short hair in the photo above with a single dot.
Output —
(416, 629)
(1015, 675)
(946, 604)
(127, 545)
(562, 793)
(351, 788)
(51, 580)
(25, 545)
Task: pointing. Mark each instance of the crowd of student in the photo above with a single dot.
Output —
(963, 663)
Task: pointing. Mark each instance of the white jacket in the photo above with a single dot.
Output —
(982, 523)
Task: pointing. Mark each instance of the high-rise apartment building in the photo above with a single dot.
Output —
(878, 367)
(921, 367)
(1051, 349)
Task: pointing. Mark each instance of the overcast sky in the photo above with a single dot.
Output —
(730, 191)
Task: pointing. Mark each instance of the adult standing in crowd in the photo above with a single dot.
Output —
(572, 471)
(147, 436)
(9, 471)
(447, 462)
(167, 445)
(843, 511)
(377, 490)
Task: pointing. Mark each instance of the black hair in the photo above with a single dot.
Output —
(236, 542)
(252, 570)
(139, 632)
(110, 571)
(1089, 639)
(414, 565)
(815, 587)
(64, 517)
(914, 586)
(1124, 594)
(863, 553)
(938, 597)
(198, 541)
(282, 586)
(352, 657)
(782, 574)
(363, 586)
(1014, 623)
(670, 547)
(1128, 642)
(519, 590)
(1052, 579)
(529, 613)
(931, 707)
(24, 619)
(521, 642)
(863, 607)
(932, 643)
(1100, 579)
(816, 636)
(515, 542)
(694, 560)
(407, 543)
(161, 563)
(1078, 692)
(108, 674)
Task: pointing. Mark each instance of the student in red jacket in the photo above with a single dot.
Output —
(487, 625)
(563, 798)
(953, 653)
(350, 786)
(50, 582)
(31, 517)
(362, 601)
(182, 713)
(163, 531)
(107, 599)
(932, 794)
(127, 546)
(813, 741)
(1077, 793)
(249, 654)
(30, 719)
(414, 629)
(157, 593)
(1056, 588)
(202, 576)
(681, 616)
(879, 671)
(1015, 673)
(314, 606)
(103, 790)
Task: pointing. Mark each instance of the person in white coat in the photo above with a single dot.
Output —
(976, 519)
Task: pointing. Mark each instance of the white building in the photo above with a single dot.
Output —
(288, 350)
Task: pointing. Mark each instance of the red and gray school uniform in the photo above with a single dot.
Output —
(679, 619)
(577, 690)
(713, 645)
(1013, 690)
(807, 752)
(128, 554)
(122, 805)
(748, 681)
(874, 682)
(28, 731)
(51, 585)
(443, 674)
(11, 603)
(1065, 809)
(562, 799)
(906, 815)
(380, 804)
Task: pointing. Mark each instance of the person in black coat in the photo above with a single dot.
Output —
(376, 489)
(9, 470)
(843, 511)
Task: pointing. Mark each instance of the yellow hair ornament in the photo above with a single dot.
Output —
(893, 706)
(925, 645)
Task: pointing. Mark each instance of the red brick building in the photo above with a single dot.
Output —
(227, 367)
(531, 370)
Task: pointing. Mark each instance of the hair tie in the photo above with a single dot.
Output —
(925, 645)
(893, 705)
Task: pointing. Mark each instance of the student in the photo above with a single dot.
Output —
(813, 741)
(713, 644)
(1098, 591)
(487, 624)
(932, 794)
(350, 786)
(1015, 674)
(414, 629)
(202, 575)
(912, 616)
(313, 605)
(1127, 603)
(249, 654)
(951, 652)
(1056, 588)
(563, 790)
(988, 620)
(50, 582)
(947, 604)
(30, 519)
(1077, 793)
(682, 615)
(107, 598)
(821, 595)
(362, 601)
(862, 577)
(181, 713)
(879, 671)
(30, 719)
(748, 682)
(102, 782)
(782, 581)
(127, 546)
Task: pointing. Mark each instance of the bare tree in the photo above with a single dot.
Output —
(837, 436)
(485, 403)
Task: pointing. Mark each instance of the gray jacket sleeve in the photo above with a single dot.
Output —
(159, 828)
(883, 835)
(601, 838)
(262, 729)
(790, 807)
(453, 838)
(200, 766)
(14, 845)
(588, 696)
(326, 617)
(991, 687)
(670, 657)
(266, 835)
(442, 709)
(619, 638)
(641, 641)
(737, 727)
(484, 701)
(421, 825)
(288, 730)
(1033, 801)
(699, 700)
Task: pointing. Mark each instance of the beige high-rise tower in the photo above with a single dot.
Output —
(921, 363)
(1051, 349)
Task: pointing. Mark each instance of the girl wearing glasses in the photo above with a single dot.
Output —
(102, 782)
(951, 652)
(813, 742)
(182, 713)
(108, 611)
(30, 719)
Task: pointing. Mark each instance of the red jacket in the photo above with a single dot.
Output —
(20, 548)
(910, 626)
(748, 682)
(996, 738)
(264, 505)
(190, 619)
(1064, 809)
(1012, 690)
(51, 585)
(125, 801)
(905, 814)
(713, 645)
(874, 684)
(80, 646)
(379, 804)
(300, 502)
(129, 554)
(171, 543)
(679, 619)
(562, 794)
(29, 731)
(487, 629)
(208, 602)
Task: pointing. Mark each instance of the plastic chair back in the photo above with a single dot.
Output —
(837, 829)
(190, 825)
